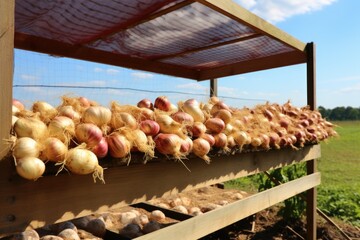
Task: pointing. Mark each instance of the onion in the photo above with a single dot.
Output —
(68, 111)
(201, 148)
(119, 146)
(224, 115)
(84, 102)
(88, 133)
(231, 141)
(123, 119)
(241, 138)
(31, 127)
(169, 144)
(198, 129)
(229, 129)
(101, 149)
(215, 125)
(162, 103)
(82, 161)
(54, 150)
(169, 125)
(220, 140)
(30, 168)
(145, 114)
(15, 110)
(145, 103)
(79, 104)
(186, 146)
(13, 120)
(138, 139)
(98, 115)
(256, 141)
(26, 147)
(265, 141)
(268, 114)
(218, 106)
(183, 118)
(149, 127)
(213, 100)
(62, 128)
(19, 105)
(274, 140)
(47, 111)
(209, 138)
(192, 107)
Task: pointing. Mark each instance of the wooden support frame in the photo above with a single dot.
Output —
(311, 165)
(7, 9)
(213, 87)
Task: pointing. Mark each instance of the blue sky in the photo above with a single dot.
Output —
(331, 24)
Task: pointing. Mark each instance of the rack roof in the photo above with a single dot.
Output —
(198, 39)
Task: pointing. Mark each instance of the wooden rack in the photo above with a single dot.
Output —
(52, 199)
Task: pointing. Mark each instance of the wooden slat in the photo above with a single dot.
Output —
(202, 225)
(6, 70)
(240, 14)
(279, 60)
(52, 47)
(63, 197)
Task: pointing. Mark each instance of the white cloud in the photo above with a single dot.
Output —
(112, 71)
(28, 77)
(193, 86)
(109, 71)
(142, 75)
(279, 10)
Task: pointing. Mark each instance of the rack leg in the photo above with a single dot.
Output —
(311, 204)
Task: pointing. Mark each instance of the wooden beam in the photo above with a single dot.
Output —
(202, 225)
(278, 60)
(240, 14)
(52, 47)
(7, 11)
(124, 185)
(311, 75)
(241, 39)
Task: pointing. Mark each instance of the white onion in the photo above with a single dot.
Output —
(54, 150)
(46, 110)
(26, 147)
(31, 127)
(98, 115)
(201, 148)
(30, 168)
(62, 128)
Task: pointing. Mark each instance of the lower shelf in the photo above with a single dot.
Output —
(202, 225)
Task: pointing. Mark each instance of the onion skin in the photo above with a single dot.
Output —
(201, 148)
(31, 127)
(198, 129)
(192, 107)
(183, 118)
(97, 115)
(101, 149)
(162, 103)
(224, 115)
(63, 128)
(54, 150)
(46, 110)
(149, 127)
(26, 147)
(208, 137)
(30, 168)
(168, 144)
(145, 103)
(123, 119)
(220, 140)
(88, 133)
(215, 125)
(119, 146)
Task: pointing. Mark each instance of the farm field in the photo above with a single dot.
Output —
(339, 192)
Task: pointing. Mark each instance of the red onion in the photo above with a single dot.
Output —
(149, 127)
(209, 138)
(101, 149)
(145, 103)
(88, 133)
(215, 125)
(162, 103)
(119, 146)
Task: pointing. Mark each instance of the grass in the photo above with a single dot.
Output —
(339, 192)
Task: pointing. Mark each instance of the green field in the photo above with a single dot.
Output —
(339, 192)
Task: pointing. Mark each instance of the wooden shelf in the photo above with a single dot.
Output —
(53, 199)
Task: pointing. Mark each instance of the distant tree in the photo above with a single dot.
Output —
(324, 112)
(351, 113)
(337, 113)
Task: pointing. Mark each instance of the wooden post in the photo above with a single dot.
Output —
(7, 10)
(311, 165)
(213, 87)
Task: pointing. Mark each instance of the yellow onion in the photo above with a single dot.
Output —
(220, 140)
(241, 138)
(83, 161)
(123, 119)
(98, 115)
(201, 148)
(30, 168)
(208, 137)
(62, 128)
(68, 111)
(46, 110)
(198, 129)
(224, 115)
(218, 106)
(30, 127)
(25, 147)
(169, 125)
(192, 107)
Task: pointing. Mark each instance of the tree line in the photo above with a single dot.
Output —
(340, 113)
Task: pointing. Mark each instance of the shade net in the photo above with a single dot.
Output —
(126, 27)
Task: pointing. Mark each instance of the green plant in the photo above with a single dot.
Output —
(293, 207)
